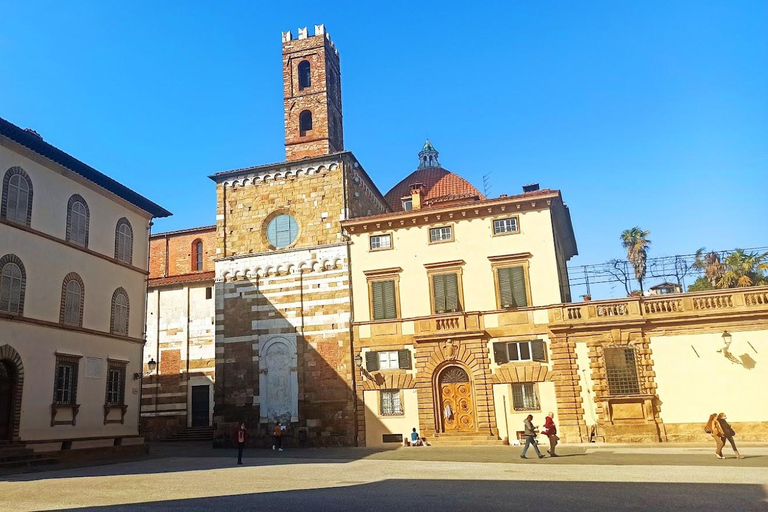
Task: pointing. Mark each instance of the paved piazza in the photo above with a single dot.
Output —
(191, 478)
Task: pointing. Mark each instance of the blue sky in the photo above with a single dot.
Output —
(643, 113)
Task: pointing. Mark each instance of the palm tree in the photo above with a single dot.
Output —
(636, 242)
(743, 269)
(710, 262)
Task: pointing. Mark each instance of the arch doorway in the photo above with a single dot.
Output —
(457, 408)
(7, 399)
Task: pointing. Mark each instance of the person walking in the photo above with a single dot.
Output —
(550, 430)
(241, 436)
(716, 431)
(277, 437)
(530, 437)
(728, 434)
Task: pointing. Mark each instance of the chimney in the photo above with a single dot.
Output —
(416, 196)
(533, 187)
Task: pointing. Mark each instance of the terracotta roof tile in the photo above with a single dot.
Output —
(182, 278)
(437, 183)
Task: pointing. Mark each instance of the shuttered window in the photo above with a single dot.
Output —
(78, 217)
(512, 287)
(504, 352)
(383, 299)
(73, 297)
(124, 241)
(11, 284)
(388, 360)
(282, 231)
(17, 202)
(445, 293)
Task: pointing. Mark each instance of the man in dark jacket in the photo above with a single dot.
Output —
(530, 437)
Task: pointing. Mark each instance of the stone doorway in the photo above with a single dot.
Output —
(7, 399)
(457, 408)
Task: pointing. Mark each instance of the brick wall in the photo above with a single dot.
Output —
(178, 248)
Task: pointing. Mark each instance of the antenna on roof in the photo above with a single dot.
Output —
(487, 183)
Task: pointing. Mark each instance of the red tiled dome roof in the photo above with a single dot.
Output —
(438, 185)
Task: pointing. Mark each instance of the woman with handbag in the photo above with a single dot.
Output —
(716, 431)
(727, 433)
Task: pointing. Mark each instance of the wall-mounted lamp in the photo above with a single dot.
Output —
(359, 361)
(727, 338)
(151, 366)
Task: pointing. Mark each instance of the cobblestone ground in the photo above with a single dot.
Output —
(191, 478)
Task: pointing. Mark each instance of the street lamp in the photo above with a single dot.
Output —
(151, 366)
(359, 361)
(727, 338)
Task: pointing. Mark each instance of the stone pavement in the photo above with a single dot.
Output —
(194, 477)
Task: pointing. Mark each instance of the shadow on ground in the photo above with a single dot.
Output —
(484, 495)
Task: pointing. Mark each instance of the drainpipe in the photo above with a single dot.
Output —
(144, 334)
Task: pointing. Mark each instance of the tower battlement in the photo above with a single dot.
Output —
(303, 33)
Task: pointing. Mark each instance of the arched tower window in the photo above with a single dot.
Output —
(305, 122)
(78, 218)
(124, 241)
(305, 77)
(17, 196)
(197, 255)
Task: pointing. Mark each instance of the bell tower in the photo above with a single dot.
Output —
(312, 95)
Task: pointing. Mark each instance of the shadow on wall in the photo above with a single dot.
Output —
(486, 495)
(301, 379)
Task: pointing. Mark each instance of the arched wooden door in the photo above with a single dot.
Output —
(7, 387)
(457, 407)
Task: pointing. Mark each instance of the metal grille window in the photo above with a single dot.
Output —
(621, 370)
(124, 241)
(116, 384)
(11, 282)
(524, 397)
(390, 402)
(443, 234)
(65, 391)
(381, 242)
(505, 226)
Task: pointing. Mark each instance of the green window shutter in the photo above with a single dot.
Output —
(404, 359)
(452, 292)
(538, 350)
(505, 287)
(520, 298)
(500, 353)
(438, 291)
(372, 361)
(377, 292)
(389, 302)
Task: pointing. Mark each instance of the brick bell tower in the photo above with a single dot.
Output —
(312, 92)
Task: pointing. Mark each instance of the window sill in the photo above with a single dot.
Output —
(109, 408)
(55, 408)
(507, 233)
(402, 415)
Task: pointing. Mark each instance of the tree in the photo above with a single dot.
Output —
(710, 263)
(636, 242)
(742, 269)
(701, 284)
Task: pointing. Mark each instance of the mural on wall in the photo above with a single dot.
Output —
(279, 397)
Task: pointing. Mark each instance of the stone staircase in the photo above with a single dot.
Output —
(464, 439)
(15, 455)
(191, 435)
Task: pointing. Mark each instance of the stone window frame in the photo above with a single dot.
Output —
(386, 274)
(197, 255)
(448, 226)
(268, 220)
(10, 355)
(72, 276)
(12, 258)
(119, 366)
(14, 171)
(536, 397)
(129, 250)
(74, 361)
(508, 261)
(77, 198)
(505, 233)
(448, 267)
(112, 319)
(636, 358)
(380, 235)
(302, 73)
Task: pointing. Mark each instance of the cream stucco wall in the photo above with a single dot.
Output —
(474, 243)
(376, 425)
(52, 188)
(585, 382)
(692, 386)
(510, 421)
(37, 347)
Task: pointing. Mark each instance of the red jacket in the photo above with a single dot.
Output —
(549, 426)
(235, 436)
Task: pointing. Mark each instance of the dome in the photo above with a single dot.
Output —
(438, 184)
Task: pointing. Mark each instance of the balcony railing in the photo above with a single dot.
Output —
(606, 311)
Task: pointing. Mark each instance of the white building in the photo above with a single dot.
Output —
(73, 261)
